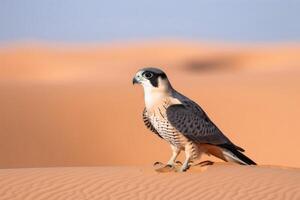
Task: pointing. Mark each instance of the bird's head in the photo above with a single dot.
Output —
(155, 83)
(151, 78)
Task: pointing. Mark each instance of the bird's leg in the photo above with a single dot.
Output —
(185, 164)
(190, 153)
(170, 166)
(175, 153)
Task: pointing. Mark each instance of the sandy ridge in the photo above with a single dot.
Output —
(218, 182)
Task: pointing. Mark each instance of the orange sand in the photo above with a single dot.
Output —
(218, 182)
(76, 106)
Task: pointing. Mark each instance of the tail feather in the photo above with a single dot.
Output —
(231, 153)
(239, 148)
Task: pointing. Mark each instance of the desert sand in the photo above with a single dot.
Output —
(71, 106)
(217, 182)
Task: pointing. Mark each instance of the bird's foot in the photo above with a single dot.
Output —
(179, 167)
(183, 168)
(160, 167)
(178, 163)
(201, 165)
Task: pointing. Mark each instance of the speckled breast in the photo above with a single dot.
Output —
(166, 130)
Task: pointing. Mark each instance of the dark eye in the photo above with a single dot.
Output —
(147, 75)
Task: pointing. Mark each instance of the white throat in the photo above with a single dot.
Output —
(152, 97)
(155, 95)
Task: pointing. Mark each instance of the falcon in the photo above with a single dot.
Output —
(183, 123)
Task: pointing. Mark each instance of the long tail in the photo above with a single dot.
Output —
(231, 153)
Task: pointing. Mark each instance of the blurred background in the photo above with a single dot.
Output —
(66, 68)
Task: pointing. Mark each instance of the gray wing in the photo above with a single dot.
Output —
(192, 122)
(148, 123)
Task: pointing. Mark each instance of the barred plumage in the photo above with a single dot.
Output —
(148, 123)
(182, 122)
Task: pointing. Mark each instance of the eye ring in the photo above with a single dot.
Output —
(147, 75)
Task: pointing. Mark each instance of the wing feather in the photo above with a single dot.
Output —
(192, 122)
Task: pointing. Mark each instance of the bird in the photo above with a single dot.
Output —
(183, 123)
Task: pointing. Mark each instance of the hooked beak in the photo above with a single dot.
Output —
(135, 81)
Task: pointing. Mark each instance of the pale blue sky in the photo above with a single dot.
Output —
(111, 20)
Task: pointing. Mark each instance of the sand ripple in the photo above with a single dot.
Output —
(218, 182)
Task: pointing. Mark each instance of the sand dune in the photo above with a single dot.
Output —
(218, 182)
(59, 105)
(66, 63)
(76, 106)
